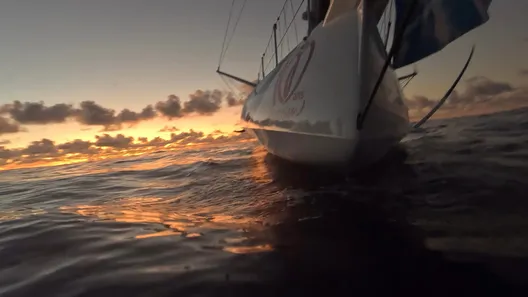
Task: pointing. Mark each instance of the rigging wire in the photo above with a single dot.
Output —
(229, 86)
(280, 42)
(288, 36)
(271, 36)
(226, 32)
(294, 15)
(393, 51)
(389, 15)
(234, 29)
(282, 9)
(407, 81)
(295, 24)
(279, 33)
(448, 93)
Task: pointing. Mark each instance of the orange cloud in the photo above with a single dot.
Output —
(47, 152)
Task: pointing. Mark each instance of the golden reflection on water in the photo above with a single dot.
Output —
(258, 169)
(19, 214)
(249, 249)
(190, 224)
(158, 234)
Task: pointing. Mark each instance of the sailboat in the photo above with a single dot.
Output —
(335, 98)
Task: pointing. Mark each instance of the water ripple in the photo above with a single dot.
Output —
(231, 220)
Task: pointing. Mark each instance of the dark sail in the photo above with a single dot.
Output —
(434, 24)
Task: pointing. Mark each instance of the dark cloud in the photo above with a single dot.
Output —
(7, 127)
(5, 141)
(170, 108)
(420, 102)
(76, 146)
(158, 141)
(6, 154)
(37, 112)
(482, 86)
(187, 136)
(203, 102)
(480, 95)
(523, 72)
(92, 113)
(119, 141)
(89, 113)
(233, 101)
(44, 146)
(128, 116)
(169, 129)
(112, 128)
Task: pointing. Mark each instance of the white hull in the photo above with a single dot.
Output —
(306, 109)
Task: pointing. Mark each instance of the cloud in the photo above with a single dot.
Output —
(187, 136)
(523, 72)
(128, 116)
(4, 142)
(482, 86)
(233, 101)
(169, 129)
(37, 112)
(420, 102)
(8, 127)
(5, 154)
(203, 102)
(44, 146)
(481, 95)
(119, 141)
(157, 141)
(170, 108)
(105, 146)
(90, 113)
(76, 146)
(93, 114)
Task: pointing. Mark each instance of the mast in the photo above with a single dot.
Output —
(316, 12)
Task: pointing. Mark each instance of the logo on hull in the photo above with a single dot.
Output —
(290, 76)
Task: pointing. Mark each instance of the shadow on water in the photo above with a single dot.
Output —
(350, 240)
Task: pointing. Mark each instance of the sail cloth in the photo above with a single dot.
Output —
(434, 24)
(339, 7)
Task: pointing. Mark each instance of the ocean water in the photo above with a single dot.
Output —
(445, 213)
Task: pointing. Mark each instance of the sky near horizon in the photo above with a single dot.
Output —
(128, 54)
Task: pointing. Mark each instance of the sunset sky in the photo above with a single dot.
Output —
(129, 54)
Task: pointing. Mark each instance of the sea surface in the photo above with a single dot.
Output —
(445, 214)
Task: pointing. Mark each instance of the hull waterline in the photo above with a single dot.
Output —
(305, 110)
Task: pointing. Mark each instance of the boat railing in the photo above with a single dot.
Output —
(283, 39)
